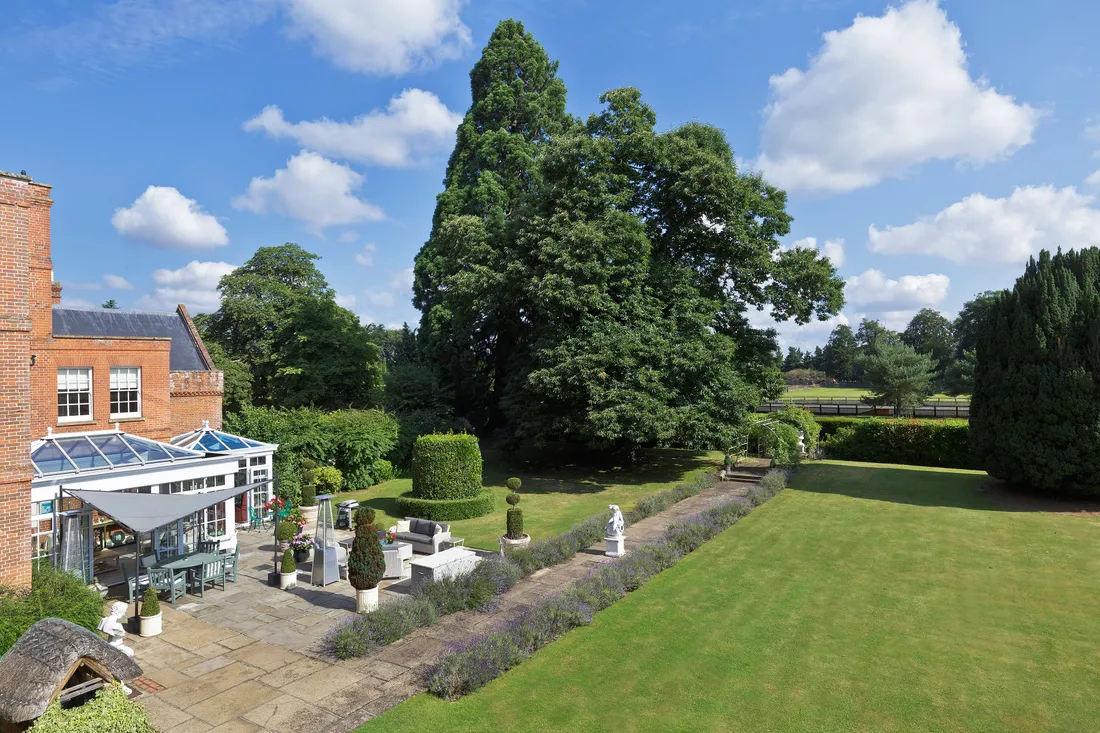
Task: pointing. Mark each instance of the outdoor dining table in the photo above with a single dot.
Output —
(188, 562)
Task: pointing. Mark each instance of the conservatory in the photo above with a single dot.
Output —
(254, 465)
(79, 538)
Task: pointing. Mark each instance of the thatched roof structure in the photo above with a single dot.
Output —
(35, 669)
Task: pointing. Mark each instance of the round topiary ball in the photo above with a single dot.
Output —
(512, 499)
(513, 483)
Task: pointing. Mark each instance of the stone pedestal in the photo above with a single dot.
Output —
(616, 546)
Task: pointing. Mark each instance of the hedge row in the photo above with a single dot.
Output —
(446, 467)
(939, 443)
(446, 510)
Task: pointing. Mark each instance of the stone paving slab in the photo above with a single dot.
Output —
(250, 659)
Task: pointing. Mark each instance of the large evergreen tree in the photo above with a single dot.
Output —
(601, 295)
(841, 353)
(969, 323)
(469, 276)
(899, 376)
(1035, 413)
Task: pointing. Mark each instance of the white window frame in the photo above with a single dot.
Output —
(210, 522)
(115, 370)
(91, 395)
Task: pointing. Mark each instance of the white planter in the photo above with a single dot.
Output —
(366, 600)
(507, 545)
(309, 513)
(149, 625)
(288, 580)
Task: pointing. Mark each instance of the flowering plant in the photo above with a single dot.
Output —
(391, 537)
(301, 542)
(296, 517)
(275, 503)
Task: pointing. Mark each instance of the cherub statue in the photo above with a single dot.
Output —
(615, 525)
(112, 626)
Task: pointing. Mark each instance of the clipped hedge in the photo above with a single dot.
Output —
(446, 467)
(938, 443)
(446, 510)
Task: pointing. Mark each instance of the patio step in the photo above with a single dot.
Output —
(744, 477)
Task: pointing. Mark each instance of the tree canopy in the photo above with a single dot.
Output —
(933, 335)
(590, 281)
(1035, 413)
(899, 376)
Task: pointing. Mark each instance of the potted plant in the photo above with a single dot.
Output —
(150, 620)
(515, 538)
(309, 492)
(366, 563)
(288, 571)
(301, 544)
(287, 531)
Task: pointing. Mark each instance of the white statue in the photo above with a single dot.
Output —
(112, 627)
(615, 525)
(801, 443)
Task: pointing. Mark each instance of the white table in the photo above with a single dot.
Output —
(447, 564)
(396, 554)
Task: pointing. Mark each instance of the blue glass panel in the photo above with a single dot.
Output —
(209, 442)
(50, 460)
(83, 453)
(115, 450)
(147, 449)
(232, 441)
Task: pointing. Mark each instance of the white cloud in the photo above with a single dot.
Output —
(381, 36)
(195, 285)
(882, 96)
(348, 236)
(876, 292)
(68, 302)
(380, 299)
(414, 124)
(833, 248)
(366, 256)
(346, 301)
(1004, 231)
(402, 280)
(117, 282)
(1093, 178)
(789, 333)
(164, 217)
(313, 189)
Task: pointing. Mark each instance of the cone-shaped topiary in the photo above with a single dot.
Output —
(513, 484)
(288, 562)
(366, 564)
(150, 604)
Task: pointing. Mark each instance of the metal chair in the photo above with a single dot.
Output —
(231, 565)
(211, 572)
(165, 580)
(256, 520)
(132, 584)
(208, 546)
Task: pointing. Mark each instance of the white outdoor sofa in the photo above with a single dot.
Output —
(424, 535)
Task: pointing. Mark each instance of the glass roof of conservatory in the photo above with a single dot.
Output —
(108, 449)
(216, 441)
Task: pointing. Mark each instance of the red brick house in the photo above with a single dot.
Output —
(120, 378)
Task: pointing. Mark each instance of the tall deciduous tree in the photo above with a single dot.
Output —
(933, 335)
(899, 376)
(840, 354)
(1035, 413)
(970, 321)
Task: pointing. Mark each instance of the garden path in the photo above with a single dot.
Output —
(249, 658)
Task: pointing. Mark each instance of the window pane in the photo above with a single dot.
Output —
(115, 450)
(83, 453)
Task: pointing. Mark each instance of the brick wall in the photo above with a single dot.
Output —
(196, 396)
(102, 354)
(18, 198)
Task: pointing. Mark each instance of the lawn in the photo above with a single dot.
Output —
(853, 392)
(555, 494)
(868, 598)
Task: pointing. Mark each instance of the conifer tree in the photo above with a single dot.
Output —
(1035, 413)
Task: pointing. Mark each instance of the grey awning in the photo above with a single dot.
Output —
(146, 512)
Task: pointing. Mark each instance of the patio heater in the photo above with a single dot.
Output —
(326, 568)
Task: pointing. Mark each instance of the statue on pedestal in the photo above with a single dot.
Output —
(112, 626)
(615, 525)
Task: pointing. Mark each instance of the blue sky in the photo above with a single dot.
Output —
(928, 148)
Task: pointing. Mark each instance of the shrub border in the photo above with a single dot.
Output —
(447, 510)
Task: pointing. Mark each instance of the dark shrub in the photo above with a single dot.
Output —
(446, 467)
(150, 604)
(53, 594)
(941, 443)
(381, 471)
(288, 565)
(513, 484)
(309, 493)
(447, 510)
(366, 563)
(287, 530)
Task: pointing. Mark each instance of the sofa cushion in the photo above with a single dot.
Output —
(420, 539)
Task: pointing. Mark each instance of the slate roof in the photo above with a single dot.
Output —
(185, 354)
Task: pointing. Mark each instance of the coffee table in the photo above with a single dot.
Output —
(396, 553)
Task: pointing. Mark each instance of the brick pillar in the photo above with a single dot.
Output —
(43, 289)
(17, 201)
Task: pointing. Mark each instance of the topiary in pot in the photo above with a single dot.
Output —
(513, 485)
(366, 563)
(150, 604)
(515, 537)
(309, 494)
(288, 570)
(287, 530)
